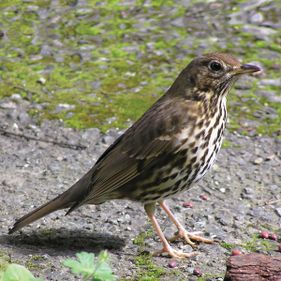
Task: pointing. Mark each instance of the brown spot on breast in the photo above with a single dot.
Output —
(196, 166)
(200, 124)
(199, 134)
(192, 144)
(208, 123)
(205, 155)
(194, 150)
(193, 159)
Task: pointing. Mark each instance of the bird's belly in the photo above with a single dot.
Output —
(201, 151)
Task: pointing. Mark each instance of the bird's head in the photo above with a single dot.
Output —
(214, 73)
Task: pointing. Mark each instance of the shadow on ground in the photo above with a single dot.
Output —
(62, 240)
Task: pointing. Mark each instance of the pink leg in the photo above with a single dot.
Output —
(166, 246)
(182, 233)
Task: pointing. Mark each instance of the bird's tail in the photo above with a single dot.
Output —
(70, 198)
(51, 206)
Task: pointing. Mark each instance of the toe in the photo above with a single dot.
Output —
(194, 237)
(174, 253)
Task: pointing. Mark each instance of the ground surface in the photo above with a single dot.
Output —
(100, 64)
(246, 177)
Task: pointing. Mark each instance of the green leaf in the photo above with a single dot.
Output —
(16, 272)
(84, 265)
(104, 273)
(90, 267)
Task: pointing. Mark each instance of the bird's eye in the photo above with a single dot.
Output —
(215, 66)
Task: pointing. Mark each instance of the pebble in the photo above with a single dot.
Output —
(64, 107)
(270, 96)
(271, 82)
(42, 80)
(197, 272)
(204, 197)
(257, 18)
(236, 252)
(258, 161)
(187, 204)
(272, 236)
(278, 211)
(264, 234)
(108, 139)
(91, 134)
(16, 97)
(172, 264)
(8, 105)
(261, 33)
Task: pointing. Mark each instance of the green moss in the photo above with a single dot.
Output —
(141, 237)
(133, 61)
(4, 261)
(228, 246)
(147, 269)
(34, 263)
(255, 244)
(227, 144)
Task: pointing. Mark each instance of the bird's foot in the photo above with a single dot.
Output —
(189, 237)
(169, 251)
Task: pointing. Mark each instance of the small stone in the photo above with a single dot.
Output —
(272, 236)
(236, 252)
(41, 80)
(270, 157)
(60, 158)
(204, 197)
(258, 161)
(271, 82)
(16, 97)
(264, 234)
(197, 272)
(187, 204)
(278, 211)
(91, 134)
(107, 139)
(24, 118)
(8, 105)
(172, 264)
(256, 18)
(64, 107)
(248, 190)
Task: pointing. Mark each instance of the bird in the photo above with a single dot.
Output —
(165, 152)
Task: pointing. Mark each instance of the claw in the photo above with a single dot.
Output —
(182, 233)
(189, 237)
(174, 253)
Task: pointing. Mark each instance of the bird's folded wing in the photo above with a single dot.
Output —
(131, 155)
(121, 168)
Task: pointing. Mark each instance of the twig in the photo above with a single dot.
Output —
(62, 144)
(273, 202)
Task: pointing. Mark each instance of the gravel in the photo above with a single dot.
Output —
(243, 192)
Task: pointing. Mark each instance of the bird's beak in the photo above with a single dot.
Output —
(247, 68)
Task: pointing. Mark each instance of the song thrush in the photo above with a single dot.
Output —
(167, 150)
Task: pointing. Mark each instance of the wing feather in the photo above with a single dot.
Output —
(135, 151)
